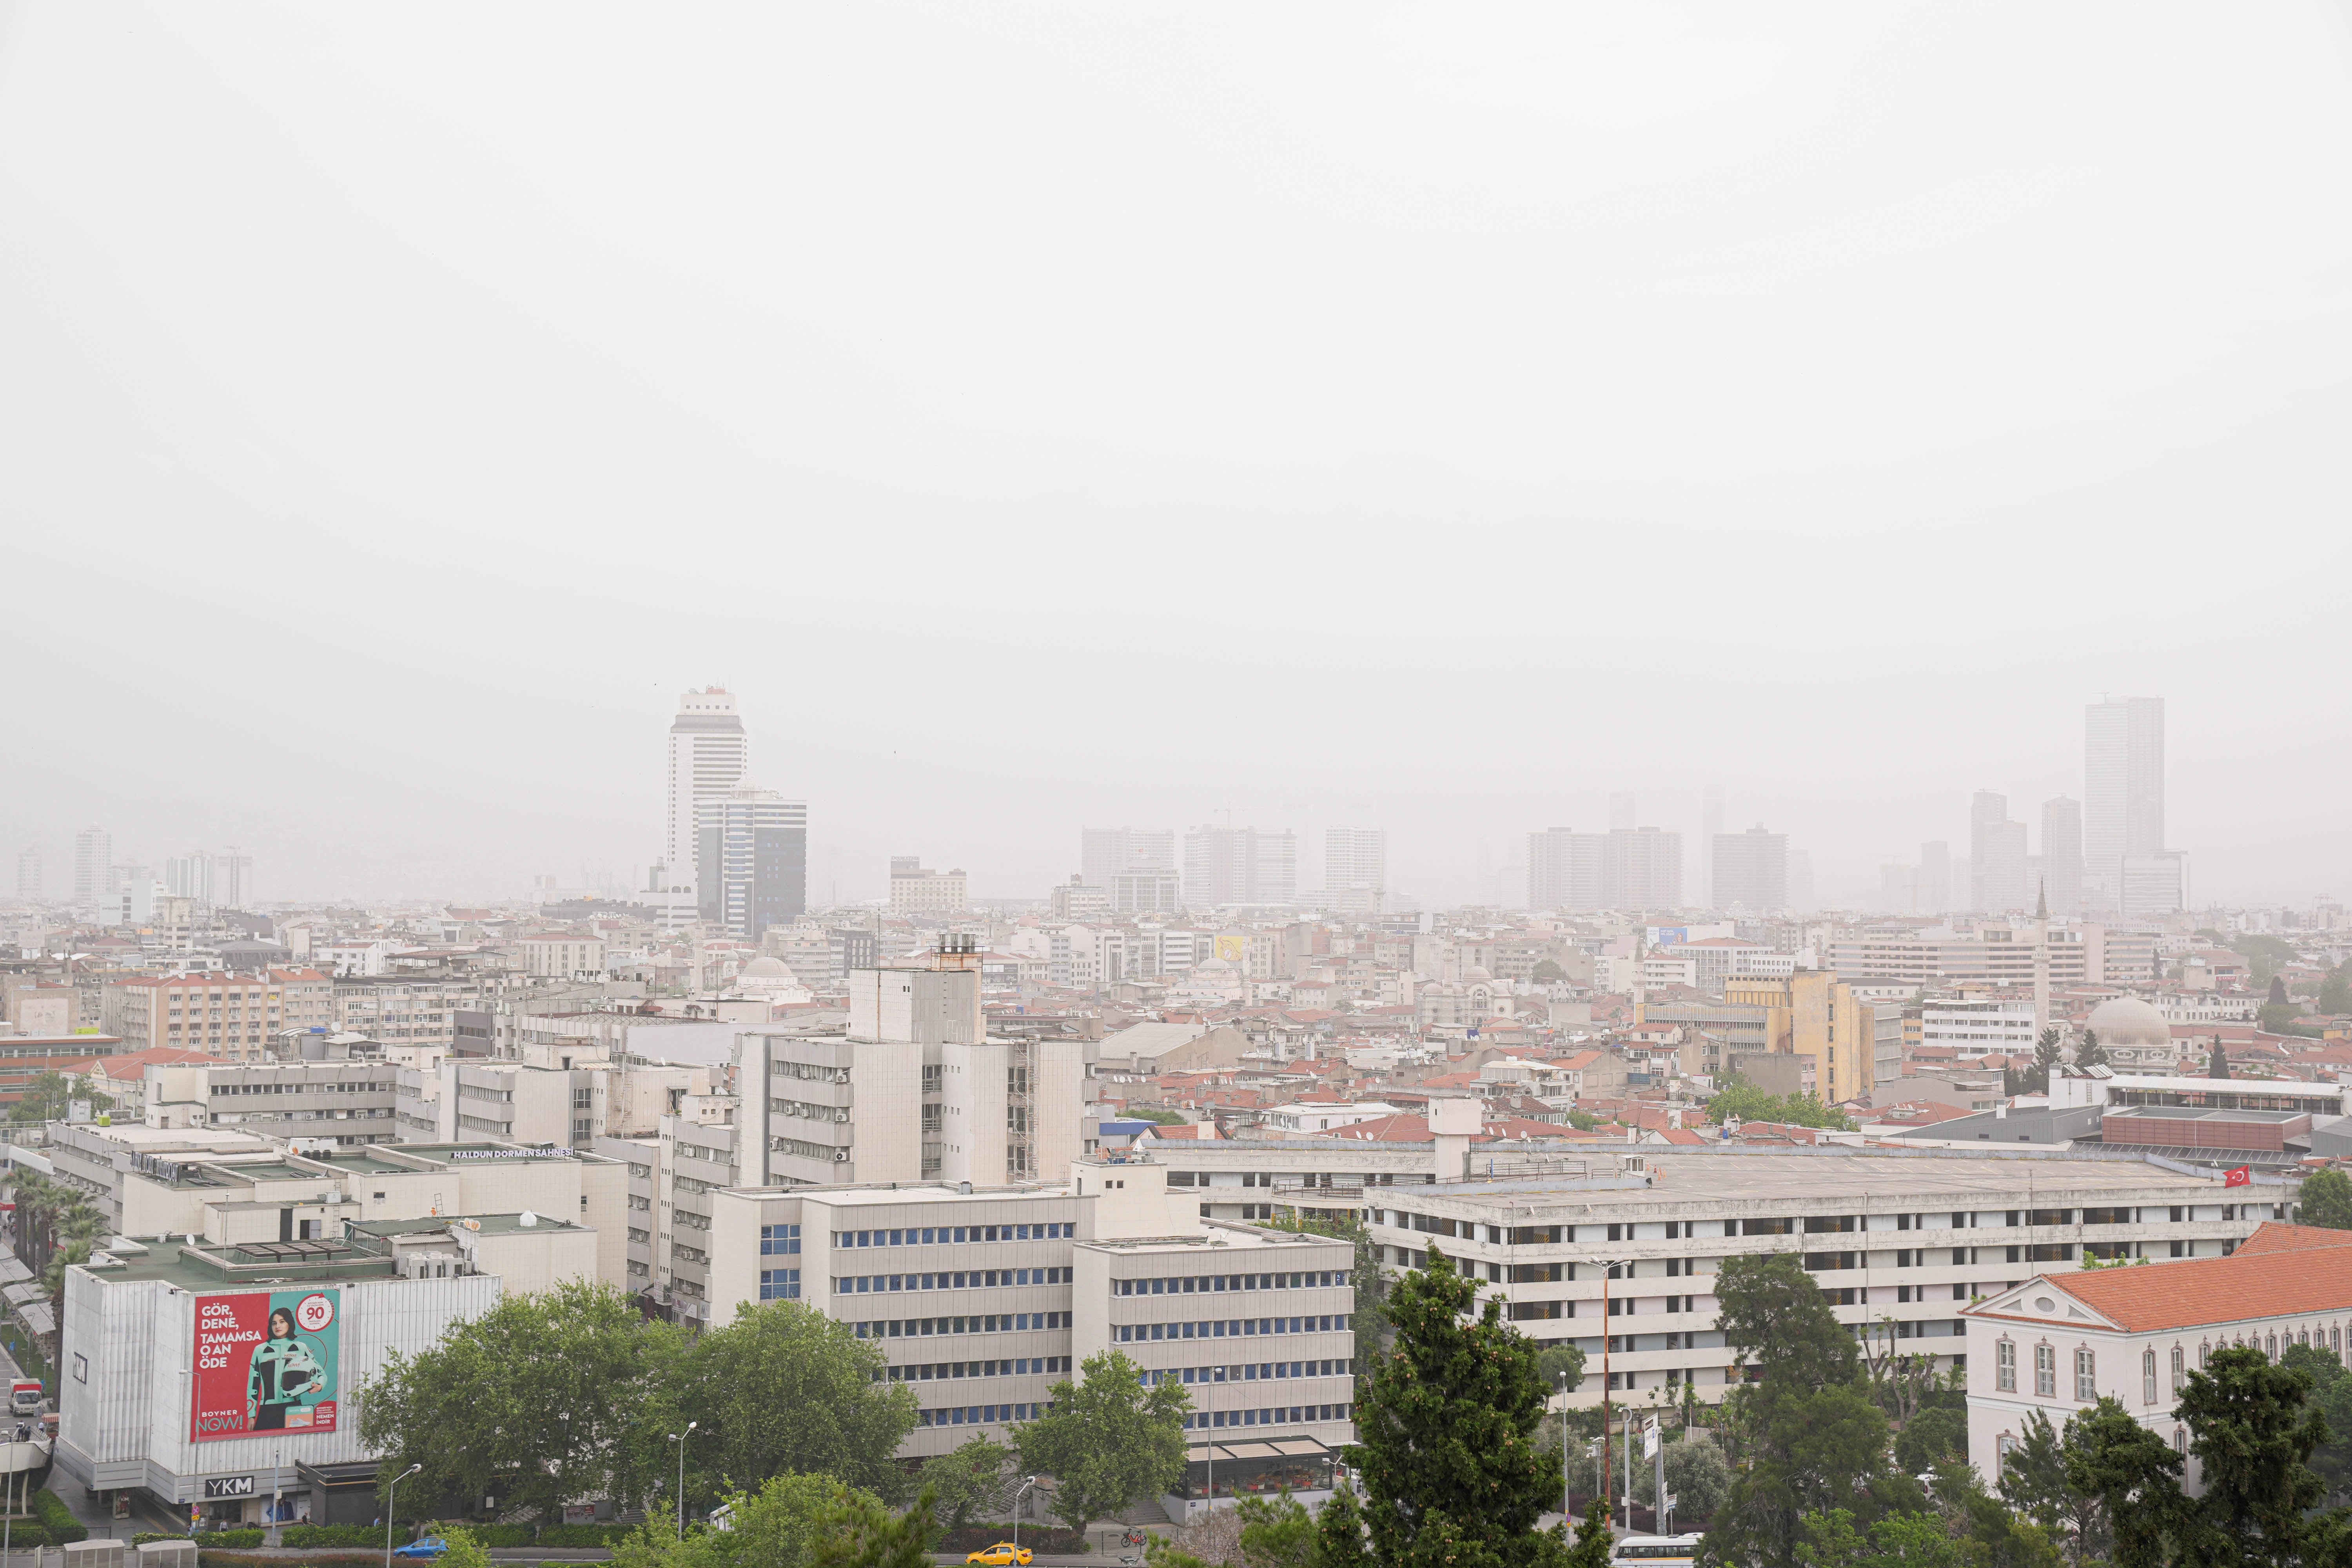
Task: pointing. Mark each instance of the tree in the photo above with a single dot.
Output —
(969, 1479)
(2132, 1477)
(1898, 1540)
(2331, 1395)
(2035, 1079)
(2278, 997)
(1930, 1438)
(858, 1532)
(461, 1550)
(2251, 1432)
(782, 1388)
(2090, 1053)
(2032, 1480)
(1447, 1428)
(2218, 1064)
(2326, 1200)
(1749, 1104)
(1595, 1543)
(46, 1096)
(1339, 1532)
(2336, 991)
(1107, 1441)
(1699, 1478)
(1547, 971)
(1582, 1121)
(1814, 1440)
(529, 1402)
(1562, 1367)
(1277, 1533)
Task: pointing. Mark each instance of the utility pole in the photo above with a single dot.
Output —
(1607, 1269)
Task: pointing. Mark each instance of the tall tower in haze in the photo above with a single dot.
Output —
(93, 866)
(2123, 790)
(708, 755)
(2062, 855)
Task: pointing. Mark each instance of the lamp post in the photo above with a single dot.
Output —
(1609, 1266)
(1023, 1493)
(389, 1492)
(679, 1438)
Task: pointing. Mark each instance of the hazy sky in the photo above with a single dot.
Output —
(1430, 414)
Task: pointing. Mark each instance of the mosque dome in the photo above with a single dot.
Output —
(1476, 975)
(2128, 1021)
(764, 968)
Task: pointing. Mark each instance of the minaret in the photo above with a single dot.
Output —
(2042, 960)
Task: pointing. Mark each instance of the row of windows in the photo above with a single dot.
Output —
(1194, 1284)
(1014, 1366)
(780, 1240)
(958, 1235)
(776, 1284)
(981, 1323)
(1279, 1415)
(2045, 1362)
(1249, 1371)
(809, 1072)
(979, 1415)
(1228, 1328)
(961, 1279)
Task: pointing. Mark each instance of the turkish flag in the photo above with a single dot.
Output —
(2241, 1177)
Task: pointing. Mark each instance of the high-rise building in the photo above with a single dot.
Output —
(1563, 869)
(1356, 858)
(233, 879)
(2123, 790)
(709, 754)
(1751, 870)
(1642, 869)
(915, 892)
(189, 875)
(1996, 857)
(28, 872)
(1240, 866)
(2062, 855)
(93, 866)
(1710, 823)
(2155, 883)
(1933, 893)
(1898, 888)
(1104, 852)
(752, 851)
(1147, 890)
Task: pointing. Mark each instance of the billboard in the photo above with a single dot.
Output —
(266, 1361)
(1233, 948)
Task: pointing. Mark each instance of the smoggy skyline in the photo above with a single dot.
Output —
(1059, 418)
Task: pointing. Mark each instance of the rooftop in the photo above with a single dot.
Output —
(2268, 1282)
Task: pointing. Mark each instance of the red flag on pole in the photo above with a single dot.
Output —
(2242, 1177)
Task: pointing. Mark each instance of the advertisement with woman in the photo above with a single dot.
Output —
(266, 1362)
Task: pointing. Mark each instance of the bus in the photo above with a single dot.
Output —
(1657, 1551)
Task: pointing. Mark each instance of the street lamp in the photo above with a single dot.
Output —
(679, 1438)
(1023, 1493)
(1609, 1266)
(388, 1494)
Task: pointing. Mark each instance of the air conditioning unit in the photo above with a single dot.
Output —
(432, 1265)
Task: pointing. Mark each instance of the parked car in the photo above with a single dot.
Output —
(430, 1547)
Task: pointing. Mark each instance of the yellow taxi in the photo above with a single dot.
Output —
(1001, 1556)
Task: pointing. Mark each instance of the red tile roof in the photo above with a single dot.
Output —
(2276, 1281)
(2274, 1235)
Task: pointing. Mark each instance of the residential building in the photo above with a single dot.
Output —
(1564, 870)
(93, 866)
(2055, 1344)
(2124, 789)
(1750, 870)
(1979, 1024)
(1227, 866)
(1355, 858)
(235, 1017)
(1642, 869)
(347, 1103)
(396, 1012)
(2155, 883)
(1104, 853)
(752, 860)
(29, 874)
(1849, 1042)
(1145, 891)
(1997, 871)
(1933, 893)
(921, 893)
(566, 955)
(709, 755)
(1077, 900)
(2062, 855)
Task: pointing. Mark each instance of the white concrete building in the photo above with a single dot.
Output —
(1979, 1025)
(2056, 1344)
(709, 754)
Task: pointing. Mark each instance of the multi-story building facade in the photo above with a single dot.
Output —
(394, 1012)
(1979, 1024)
(921, 893)
(1104, 853)
(1642, 869)
(2124, 789)
(346, 1103)
(2056, 1344)
(752, 860)
(1564, 870)
(228, 1014)
(1911, 1240)
(709, 755)
(1355, 858)
(568, 955)
(1240, 866)
(1750, 871)
(983, 1298)
(1852, 1043)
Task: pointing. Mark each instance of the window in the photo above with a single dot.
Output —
(2148, 1377)
(775, 1240)
(779, 1284)
(2181, 1441)
(2179, 1372)
(2045, 1370)
(2086, 1378)
(2007, 1446)
(2004, 1366)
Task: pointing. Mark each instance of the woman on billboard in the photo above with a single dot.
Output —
(286, 1373)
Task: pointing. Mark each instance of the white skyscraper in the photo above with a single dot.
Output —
(1751, 871)
(2123, 791)
(1239, 866)
(28, 872)
(189, 875)
(93, 866)
(1563, 869)
(707, 756)
(1356, 858)
(1104, 852)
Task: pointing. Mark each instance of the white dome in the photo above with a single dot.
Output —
(765, 969)
(2127, 1021)
(1477, 973)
